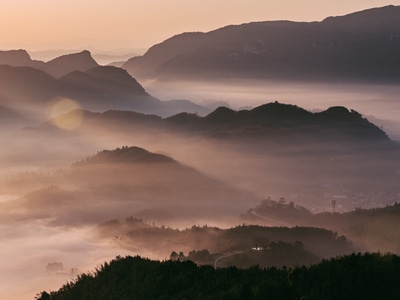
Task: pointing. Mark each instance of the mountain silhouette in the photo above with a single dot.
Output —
(18, 58)
(125, 155)
(98, 89)
(357, 276)
(25, 87)
(275, 121)
(57, 67)
(289, 121)
(104, 78)
(103, 86)
(274, 147)
(359, 47)
(65, 64)
(112, 182)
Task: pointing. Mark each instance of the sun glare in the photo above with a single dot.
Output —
(66, 114)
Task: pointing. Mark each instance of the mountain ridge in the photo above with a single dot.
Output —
(19, 57)
(344, 48)
(56, 67)
(112, 182)
(271, 119)
(81, 61)
(99, 89)
(125, 155)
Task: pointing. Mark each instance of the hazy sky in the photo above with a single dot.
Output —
(128, 24)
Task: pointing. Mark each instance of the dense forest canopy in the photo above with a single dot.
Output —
(356, 276)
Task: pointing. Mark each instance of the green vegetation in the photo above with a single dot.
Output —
(356, 276)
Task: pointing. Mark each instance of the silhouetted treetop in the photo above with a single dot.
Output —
(126, 155)
(283, 120)
(356, 276)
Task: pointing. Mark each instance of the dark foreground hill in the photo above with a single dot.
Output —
(358, 47)
(357, 276)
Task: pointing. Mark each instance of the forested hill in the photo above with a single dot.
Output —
(273, 121)
(357, 276)
(125, 155)
(281, 119)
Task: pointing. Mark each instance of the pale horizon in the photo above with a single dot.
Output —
(131, 25)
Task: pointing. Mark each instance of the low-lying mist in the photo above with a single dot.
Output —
(29, 248)
(52, 196)
(376, 101)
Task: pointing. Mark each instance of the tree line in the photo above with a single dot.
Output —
(355, 276)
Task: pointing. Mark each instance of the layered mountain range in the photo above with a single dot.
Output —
(203, 167)
(34, 86)
(291, 145)
(274, 149)
(268, 122)
(359, 47)
(57, 67)
(114, 183)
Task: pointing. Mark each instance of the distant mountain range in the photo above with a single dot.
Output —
(274, 149)
(358, 47)
(57, 67)
(272, 121)
(99, 88)
(31, 85)
(30, 88)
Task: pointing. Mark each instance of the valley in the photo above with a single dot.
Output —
(260, 148)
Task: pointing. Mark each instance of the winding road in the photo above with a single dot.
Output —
(269, 219)
(223, 256)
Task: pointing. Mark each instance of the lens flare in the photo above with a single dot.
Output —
(66, 114)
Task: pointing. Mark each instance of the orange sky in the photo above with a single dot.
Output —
(127, 24)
